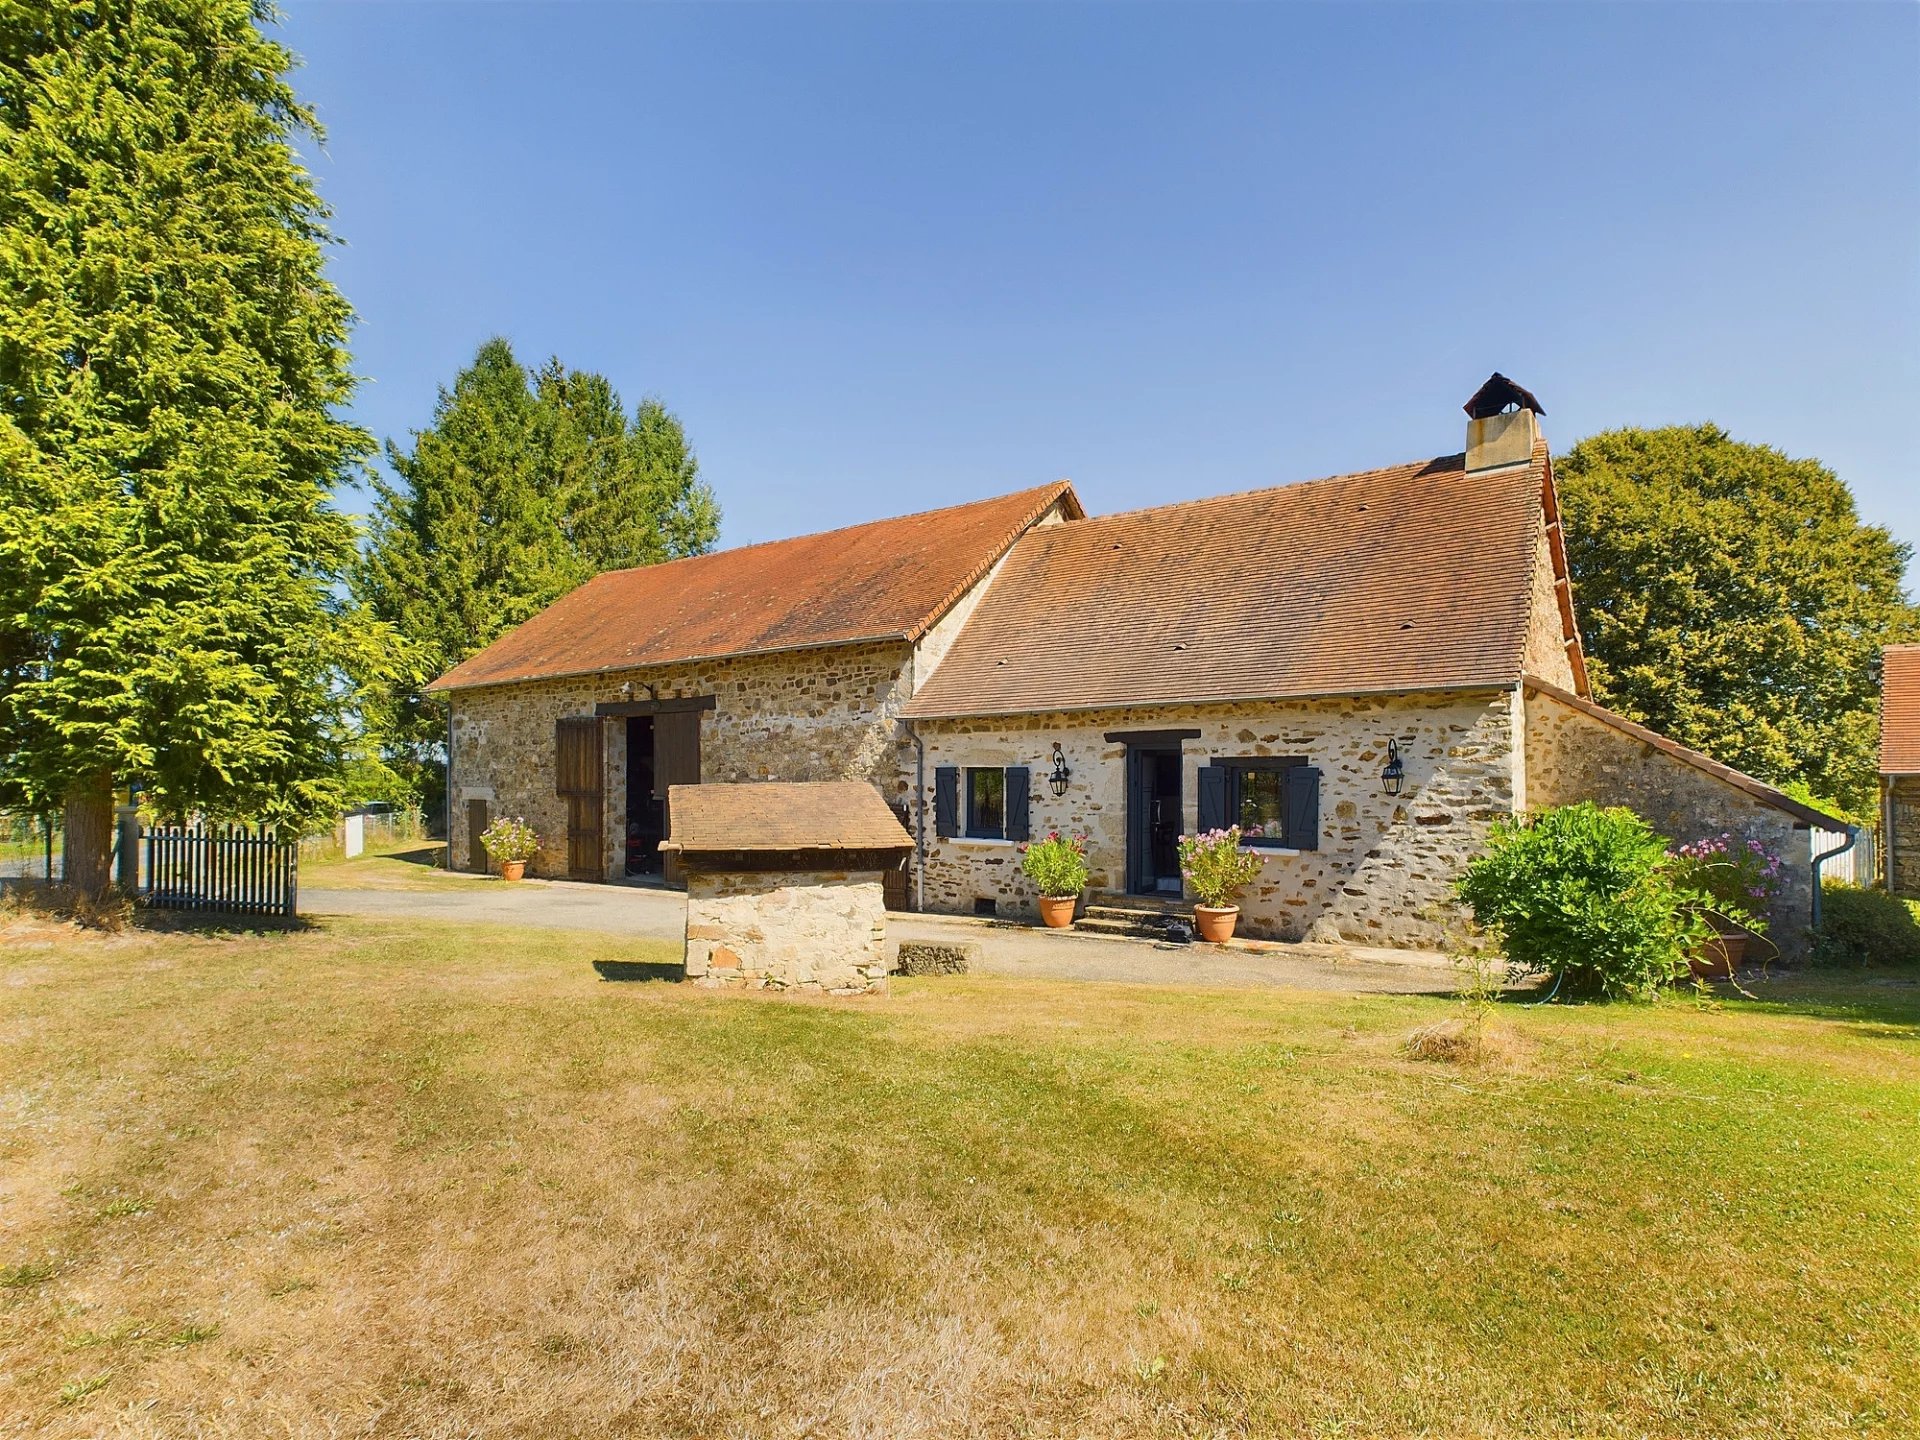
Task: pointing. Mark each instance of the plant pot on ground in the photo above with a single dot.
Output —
(1057, 865)
(1056, 911)
(1720, 955)
(1216, 922)
(1216, 870)
(510, 843)
(1735, 881)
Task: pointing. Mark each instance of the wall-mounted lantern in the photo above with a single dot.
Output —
(1395, 775)
(1057, 781)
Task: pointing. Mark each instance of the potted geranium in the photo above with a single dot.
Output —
(1734, 881)
(1057, 866)
(512, 843)
(1216, 871)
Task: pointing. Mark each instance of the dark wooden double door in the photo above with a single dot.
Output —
(662, 750)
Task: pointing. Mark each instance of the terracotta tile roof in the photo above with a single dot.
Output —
(1414, 577)
(783, 815)
(1758, 789)
(889, 579)
(1900, 711)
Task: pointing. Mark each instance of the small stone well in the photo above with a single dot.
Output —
(784, 882)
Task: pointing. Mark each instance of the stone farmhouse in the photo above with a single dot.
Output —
(1900, 768)
(1363, 672)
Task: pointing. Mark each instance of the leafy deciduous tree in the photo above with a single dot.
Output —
(171, 356)
(1732, 598)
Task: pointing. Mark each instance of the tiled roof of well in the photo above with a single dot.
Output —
(1900, 711)
(889, 579)
(1413, 577)
(783, 815)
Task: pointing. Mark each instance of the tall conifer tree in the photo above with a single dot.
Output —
(171, 359)
(524, 485)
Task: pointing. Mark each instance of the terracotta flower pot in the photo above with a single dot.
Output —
(1215, 922)
(1719, 956)
(1056, 911)
(512, 869)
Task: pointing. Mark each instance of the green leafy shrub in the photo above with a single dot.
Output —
(1057, 864)
(1866, 927)
(1588, 896)
(1215, 867)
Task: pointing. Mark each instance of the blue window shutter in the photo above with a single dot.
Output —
(946, 801)
(1018, 824)
(1303, 807)
(1213, 797)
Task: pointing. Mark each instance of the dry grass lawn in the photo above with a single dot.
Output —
(413, 865)
(389, 1179)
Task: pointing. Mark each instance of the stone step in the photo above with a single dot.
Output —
(1137, 912)
(1139, 904)
(1124, 917)
(1131, 929)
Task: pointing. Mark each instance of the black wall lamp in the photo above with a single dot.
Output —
(1057, 781)
(1395, 775)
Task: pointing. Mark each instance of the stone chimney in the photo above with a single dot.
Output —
(1502, 424)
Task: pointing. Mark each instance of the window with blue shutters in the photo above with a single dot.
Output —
(983, 802)
(1275, 800)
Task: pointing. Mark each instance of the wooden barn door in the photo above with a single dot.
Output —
(476, 825)
(580, 777)
(676, 761)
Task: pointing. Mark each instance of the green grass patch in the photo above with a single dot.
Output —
(448, 1178)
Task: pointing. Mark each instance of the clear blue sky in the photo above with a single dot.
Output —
(881, 258)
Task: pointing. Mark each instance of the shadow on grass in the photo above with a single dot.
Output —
(212, 922)
(432, 857)
(624, 971)
(1876, 996)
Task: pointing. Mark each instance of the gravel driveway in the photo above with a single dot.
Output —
(1004, 949)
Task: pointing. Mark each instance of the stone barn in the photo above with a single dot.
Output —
(785, 883)
(1363, 672)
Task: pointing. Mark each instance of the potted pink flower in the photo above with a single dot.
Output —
(1734, 881)
(1216, 871)
(1057, 866)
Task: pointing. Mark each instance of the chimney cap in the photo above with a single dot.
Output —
(1496, 395)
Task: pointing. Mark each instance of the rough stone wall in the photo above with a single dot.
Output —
(1903, 836)
(1382, 872)
(822, 714)
(1546, 657)
(1572, 757)
(805, 930)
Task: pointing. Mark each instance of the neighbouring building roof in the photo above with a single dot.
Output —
(1900, 711)
(1758, 789)
(890, 579)
(1415, 577)
(782, 815)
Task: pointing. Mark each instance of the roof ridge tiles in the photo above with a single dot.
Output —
(1437, 464)
(1053, 488)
